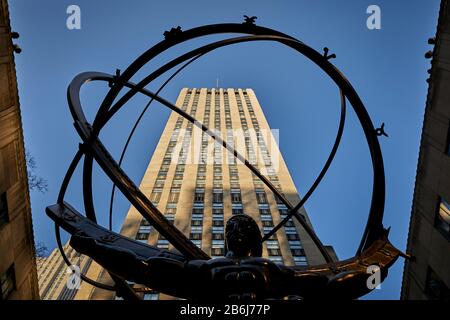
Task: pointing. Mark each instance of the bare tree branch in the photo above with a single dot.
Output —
(34, 181)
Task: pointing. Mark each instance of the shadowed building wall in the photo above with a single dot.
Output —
(428, 276)
(17, 257)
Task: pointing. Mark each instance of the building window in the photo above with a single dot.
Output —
(7, 283)
(196, 228)
(236, 197)
(4, 217)
(272, 244)
(195, 236)
(199, 196)
(293, 236)
(197, 222)
(176, 184)
(300, 261)
(217, 184)
(435, 288)
(170, 210)
(217, 244)
(218, 229)
(276, 259)
(274, 252)
(155, 196)
(145, 226)
(267, 223)
(290, 230)
(198, 243)
(217, 197)
(162, 175)
(151, 296)
(159, 184)
(218, 236)
(218, 223)
(237, 211)
(297, 252)
(289, 223)
(261, 196)
(142, 236)
(295, 244)
(267, 229)
(178, 176)
(215, 252)
(443, 218)
(163, 244)
(174, 196)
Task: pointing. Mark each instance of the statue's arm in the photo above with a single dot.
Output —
(158, 273)
(120, 261)
(306, 284)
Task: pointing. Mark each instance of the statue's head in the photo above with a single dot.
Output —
(243, 238)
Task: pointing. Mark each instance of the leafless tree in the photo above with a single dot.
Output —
(41, 250)
(35, 182)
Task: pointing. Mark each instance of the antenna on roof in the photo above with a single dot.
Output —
(217, 83)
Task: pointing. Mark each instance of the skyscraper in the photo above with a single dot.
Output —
(54, 274)
(198, 184)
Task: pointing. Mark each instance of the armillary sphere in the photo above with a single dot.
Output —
(188, 272)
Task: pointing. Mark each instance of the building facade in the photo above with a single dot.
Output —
(427, 276)
(199, 185)
(55, 277)
(18, 277)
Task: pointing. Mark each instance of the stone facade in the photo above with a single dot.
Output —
(428, 275)
(17, 255)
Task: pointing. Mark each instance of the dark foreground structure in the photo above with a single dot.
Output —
(242, 274)
(18, 277)
(428, 275)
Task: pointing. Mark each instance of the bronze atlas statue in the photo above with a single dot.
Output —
(188, 272)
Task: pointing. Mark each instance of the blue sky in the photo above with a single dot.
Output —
(387, 68)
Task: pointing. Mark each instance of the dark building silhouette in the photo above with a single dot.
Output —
(18, 275)
(428, 275)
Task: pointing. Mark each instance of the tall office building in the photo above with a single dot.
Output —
(18, 277)
(198, 184)
(55, 278)
(427, 277)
